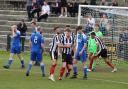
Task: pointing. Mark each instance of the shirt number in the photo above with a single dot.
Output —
(35, 39)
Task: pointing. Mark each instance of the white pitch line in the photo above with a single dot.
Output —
(126, 83)
(118, 82)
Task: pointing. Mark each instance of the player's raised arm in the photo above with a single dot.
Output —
(13, 29)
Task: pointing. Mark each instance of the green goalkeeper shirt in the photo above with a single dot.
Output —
(92, 43)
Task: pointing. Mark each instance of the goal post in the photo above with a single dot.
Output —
(94, 7)
(115, 28)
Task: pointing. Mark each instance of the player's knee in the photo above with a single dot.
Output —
(54, 62)
(31, 62)
(41, 63)
(74, 61)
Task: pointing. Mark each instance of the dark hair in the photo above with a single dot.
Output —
(79, 28)
(67, 26)
(97, 24)
(33, 22)
(22, 20)
(55, 28)
(93, 33)
(68, 30)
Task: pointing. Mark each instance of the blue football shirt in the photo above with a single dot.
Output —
(36, 40)
(81, 39)
(16, 40)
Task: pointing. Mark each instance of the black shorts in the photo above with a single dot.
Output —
(103, 53)
(54, 55)
(72, 53)
(63, 3)
(67, 58)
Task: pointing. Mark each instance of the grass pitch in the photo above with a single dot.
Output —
(15, 78)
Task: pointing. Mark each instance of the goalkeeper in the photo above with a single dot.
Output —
(92, 47)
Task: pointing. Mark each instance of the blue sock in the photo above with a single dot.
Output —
(75, 69)
(29, 67)
(85, 70)
(22, 62)
(42, 68)
(9, 62)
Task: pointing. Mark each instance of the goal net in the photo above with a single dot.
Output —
(112, 22)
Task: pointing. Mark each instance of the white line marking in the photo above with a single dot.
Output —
(118, 82)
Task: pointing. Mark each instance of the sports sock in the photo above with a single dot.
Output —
(42, 68)
(22, 62)
(68, 69)
(85, 70)
(29, 67)
(10, 62)
(91, 62)
(52, 69)
(75, 69)
(62, 71)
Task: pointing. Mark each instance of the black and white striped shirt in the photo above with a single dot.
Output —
(55, 41)
(65, 41)
(64, 34)
(100, 43)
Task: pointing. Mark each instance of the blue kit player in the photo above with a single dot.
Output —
(15, 47)
(80, 53)
(36, 45)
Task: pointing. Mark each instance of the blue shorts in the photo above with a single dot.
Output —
(82, 57)
(16, 50)
(36, 56)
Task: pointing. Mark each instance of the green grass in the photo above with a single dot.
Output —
(15, 78)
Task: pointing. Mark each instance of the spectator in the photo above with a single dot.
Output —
(63, 8)
(71, 9)
(103, 3)
(85, 2)
(45, 12)
(22, 27)
(114, 3)
(104, 25)
(93, 2)
(35, 9)
(29, 8)
(90, 24)
(40, 2)
(56, 7)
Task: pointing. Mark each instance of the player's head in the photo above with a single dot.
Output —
(33, 23)
(68, 32)
(67, 27)
(104, 16)
(22, 21)
(34, 1)
(96, 29)
(90, 16)
(79, 29)
(45, 3)
(40, 29)
(14, 28)
(93, 35)
(57, 30)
